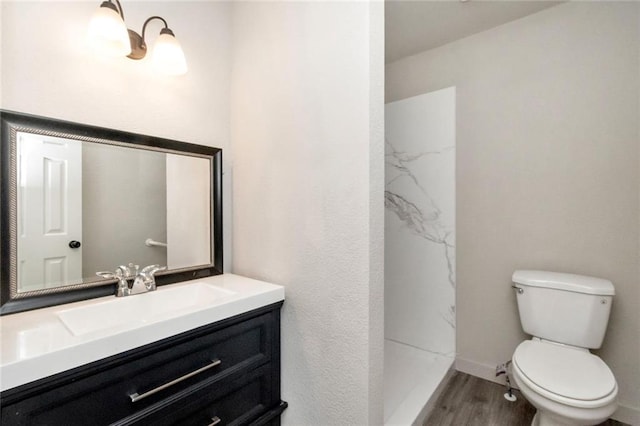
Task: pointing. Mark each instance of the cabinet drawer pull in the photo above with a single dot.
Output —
(136, 397)
(214, 421)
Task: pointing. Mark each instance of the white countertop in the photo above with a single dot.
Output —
(37, 344)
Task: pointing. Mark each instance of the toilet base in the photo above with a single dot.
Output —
(536, 420)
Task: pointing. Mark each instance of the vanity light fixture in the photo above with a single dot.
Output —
(109, 36)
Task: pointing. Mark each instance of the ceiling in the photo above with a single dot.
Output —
(415, 26)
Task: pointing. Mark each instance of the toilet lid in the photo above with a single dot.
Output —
(564, 371)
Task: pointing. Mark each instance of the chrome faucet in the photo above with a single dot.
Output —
(143, 280)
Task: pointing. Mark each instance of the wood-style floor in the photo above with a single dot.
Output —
(469, 401)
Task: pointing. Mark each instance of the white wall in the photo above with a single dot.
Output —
(547, 170)
(47, 70)
(189, 227)
(308, 194)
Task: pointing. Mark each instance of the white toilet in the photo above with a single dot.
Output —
(567, 315)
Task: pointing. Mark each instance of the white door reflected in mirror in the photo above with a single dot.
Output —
(49, 212)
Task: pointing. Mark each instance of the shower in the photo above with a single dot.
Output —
(419, 251)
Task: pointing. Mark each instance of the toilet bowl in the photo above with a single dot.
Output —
(566, 315)
(567, 385)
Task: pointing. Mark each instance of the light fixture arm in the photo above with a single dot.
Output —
(144, 26)
(138, 43)
(117, 9)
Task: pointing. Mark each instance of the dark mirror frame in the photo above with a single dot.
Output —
(11, 120)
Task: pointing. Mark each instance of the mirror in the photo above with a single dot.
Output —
(78, 199)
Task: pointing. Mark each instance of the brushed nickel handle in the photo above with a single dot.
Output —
(214, 421)
(136, 397)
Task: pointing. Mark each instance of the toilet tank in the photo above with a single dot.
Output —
(564, 308)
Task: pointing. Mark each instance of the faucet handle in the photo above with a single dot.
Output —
(127, 271)
(152, 269)
(148, 268)
(122, 271)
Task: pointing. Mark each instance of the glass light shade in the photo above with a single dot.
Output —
(167, 55)
(108, 34)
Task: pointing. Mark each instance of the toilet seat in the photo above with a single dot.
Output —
(564, 374)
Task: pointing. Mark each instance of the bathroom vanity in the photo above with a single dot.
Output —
(192, 346)
(210, 358)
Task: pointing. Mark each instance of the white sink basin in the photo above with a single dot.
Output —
(47, 341)
(141, 308)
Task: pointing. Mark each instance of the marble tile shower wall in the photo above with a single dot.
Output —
(420, 222)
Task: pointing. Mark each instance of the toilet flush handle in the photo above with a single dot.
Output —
(520, 290)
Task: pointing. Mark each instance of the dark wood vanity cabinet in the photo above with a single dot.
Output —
(226, 373)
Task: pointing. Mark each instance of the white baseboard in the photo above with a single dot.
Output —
(483, 371)
(628, 415)
(624, 414)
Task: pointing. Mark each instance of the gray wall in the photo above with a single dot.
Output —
(307, 133)
(124, 202)
(547, 170)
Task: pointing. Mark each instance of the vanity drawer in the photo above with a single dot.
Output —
(187, 362)
(238, 401)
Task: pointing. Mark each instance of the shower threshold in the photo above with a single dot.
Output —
(412, 377)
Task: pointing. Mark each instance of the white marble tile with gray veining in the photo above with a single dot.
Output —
(420, 222)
